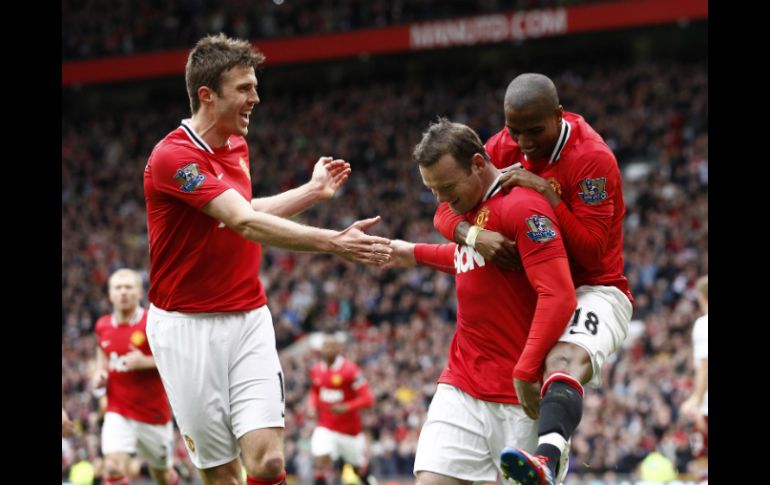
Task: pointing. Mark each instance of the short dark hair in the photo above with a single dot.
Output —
(211, 57)
(447, 137)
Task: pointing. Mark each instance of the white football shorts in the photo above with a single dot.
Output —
(463, 436)
(599, 325)
(155, 442)
(350, 448)
(222, 376)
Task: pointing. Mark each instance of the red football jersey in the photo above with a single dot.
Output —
(198, 264)
(495, 308)
(585, 171)
(341, 382)
(136, 394)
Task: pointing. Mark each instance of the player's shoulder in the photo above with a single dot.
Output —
(103, 322)
(175, 145)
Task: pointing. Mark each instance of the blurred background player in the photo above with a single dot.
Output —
(560, 156)
(138, 416)
(696, 407)
(338, 393)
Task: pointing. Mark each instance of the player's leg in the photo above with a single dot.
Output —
(118, 443)
(324, 450)
(156, 444)
(453, 446)
(192, 353)
(257, 398)
(353, 451)
(597, 329)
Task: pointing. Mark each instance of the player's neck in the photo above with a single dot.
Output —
(123, 316)
(489, 176)
(205, 125)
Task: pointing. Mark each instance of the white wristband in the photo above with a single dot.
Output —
(470, 239)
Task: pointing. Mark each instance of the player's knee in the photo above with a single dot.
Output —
(270, 465)
(113, 466)
(558, 359)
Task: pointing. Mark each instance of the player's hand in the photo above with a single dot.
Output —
(355, 245)
(99, 379)
(525, 178)
(67, 426)
(498, 249)
(339, 408)
(529, 397)
(329, 175)
(402, 255)
(689, 408)
(135, 359)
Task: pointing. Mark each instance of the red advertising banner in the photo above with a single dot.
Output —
(496, 28)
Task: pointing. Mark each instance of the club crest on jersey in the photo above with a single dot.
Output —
(189, 177)
(190, 443)
(541, 230)
(245, 167)
(336, 379)
(593, 190)
(137, 338)
(555, 185)
(482, 217)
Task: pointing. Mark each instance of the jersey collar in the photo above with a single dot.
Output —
(132, 321)
(196, 138)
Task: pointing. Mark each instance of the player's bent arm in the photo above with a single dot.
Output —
(451, 225)
(585, 239)
(328, 176)
(363, 399)
(100, 369)
(556, 302)
(237, 214)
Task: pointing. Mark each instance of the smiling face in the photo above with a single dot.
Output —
(236, 98)
(453, 183)
(534, 129)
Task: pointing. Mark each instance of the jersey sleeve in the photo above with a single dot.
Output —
(556, 301)
(446, 220)
(530, 221)
(314, 389)
(185, 175)
(436, 256)
(586, 225)
(364, 397)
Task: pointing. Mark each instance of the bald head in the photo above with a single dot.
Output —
(531, 90)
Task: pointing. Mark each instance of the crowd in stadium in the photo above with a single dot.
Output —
(96, 28)
(400, 323)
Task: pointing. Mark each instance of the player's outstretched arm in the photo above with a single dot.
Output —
(352, 244)
(328, 176)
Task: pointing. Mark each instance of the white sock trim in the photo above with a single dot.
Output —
(554, 439)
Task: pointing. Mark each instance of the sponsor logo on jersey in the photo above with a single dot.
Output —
(540, 229)
(331, 395)
(467, 259)
(138, 338)
(190, 443)
(189, 177)
(482, 217)
(593, 190)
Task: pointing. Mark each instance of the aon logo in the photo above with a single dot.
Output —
(331, 395)
(467, 259)
(118, 362)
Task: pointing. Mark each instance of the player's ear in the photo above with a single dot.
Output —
(205, 95)
(478, 161)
